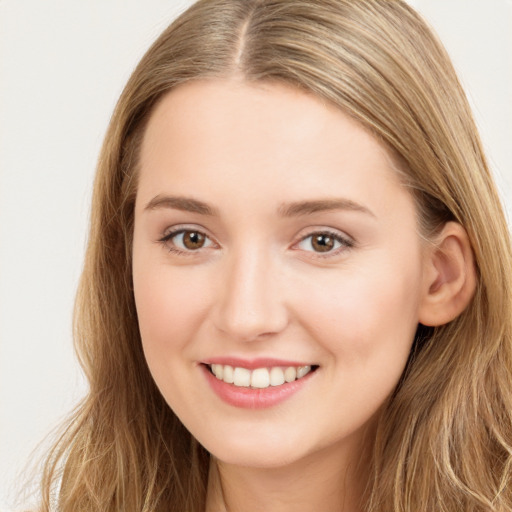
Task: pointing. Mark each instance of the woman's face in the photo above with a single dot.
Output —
(272, 233)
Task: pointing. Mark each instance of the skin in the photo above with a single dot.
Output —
(258, 287)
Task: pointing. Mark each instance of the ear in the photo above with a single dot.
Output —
(450, 276)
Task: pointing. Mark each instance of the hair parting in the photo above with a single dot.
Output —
(444, 438)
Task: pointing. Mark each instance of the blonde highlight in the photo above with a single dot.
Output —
(444, 440)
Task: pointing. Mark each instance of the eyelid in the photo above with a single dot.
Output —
(179, 229)
(346, 241)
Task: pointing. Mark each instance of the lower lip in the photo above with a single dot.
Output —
(252, 398)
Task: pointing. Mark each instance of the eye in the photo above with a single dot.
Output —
(186, 240)
(324, 242)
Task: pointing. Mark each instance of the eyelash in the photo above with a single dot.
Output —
(178, 231)
(346, 243)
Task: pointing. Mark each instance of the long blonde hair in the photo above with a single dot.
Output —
(444, 440)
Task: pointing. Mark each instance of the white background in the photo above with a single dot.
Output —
(62, 66)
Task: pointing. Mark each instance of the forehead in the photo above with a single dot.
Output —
(250, 139)
(268, 109)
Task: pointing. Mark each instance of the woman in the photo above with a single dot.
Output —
(296, 292)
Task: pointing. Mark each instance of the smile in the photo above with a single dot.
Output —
(259, 378)
(257, 384)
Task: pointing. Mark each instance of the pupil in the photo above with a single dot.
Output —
(193, 240)
(323, 243)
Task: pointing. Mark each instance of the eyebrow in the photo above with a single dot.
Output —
(187, 204)
(298, 208)
(294, 209)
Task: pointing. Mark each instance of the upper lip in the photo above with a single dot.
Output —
(251, 364)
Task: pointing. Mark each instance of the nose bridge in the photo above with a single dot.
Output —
(251, 303)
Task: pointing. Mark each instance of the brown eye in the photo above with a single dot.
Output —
(325, 242)
(186, 240)
(193, 240)
(322, 242)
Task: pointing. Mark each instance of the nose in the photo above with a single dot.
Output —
(251, 304)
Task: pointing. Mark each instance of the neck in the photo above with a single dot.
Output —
(322, 481)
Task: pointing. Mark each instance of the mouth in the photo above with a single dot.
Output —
(259, 378)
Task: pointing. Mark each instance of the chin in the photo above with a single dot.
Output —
(269, 452)
(256, 458)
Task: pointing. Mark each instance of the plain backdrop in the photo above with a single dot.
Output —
(63, 63)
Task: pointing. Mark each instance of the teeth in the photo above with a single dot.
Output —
(259, 378)
(242, 377)
(227, 374)
(303, 370)
(290, 374)
(218, 371)
(276, 376)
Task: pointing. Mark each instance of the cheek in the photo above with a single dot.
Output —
(366, 325)
(364, 316)
(169, 308)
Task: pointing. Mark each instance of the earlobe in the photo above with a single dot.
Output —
(450, 277)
